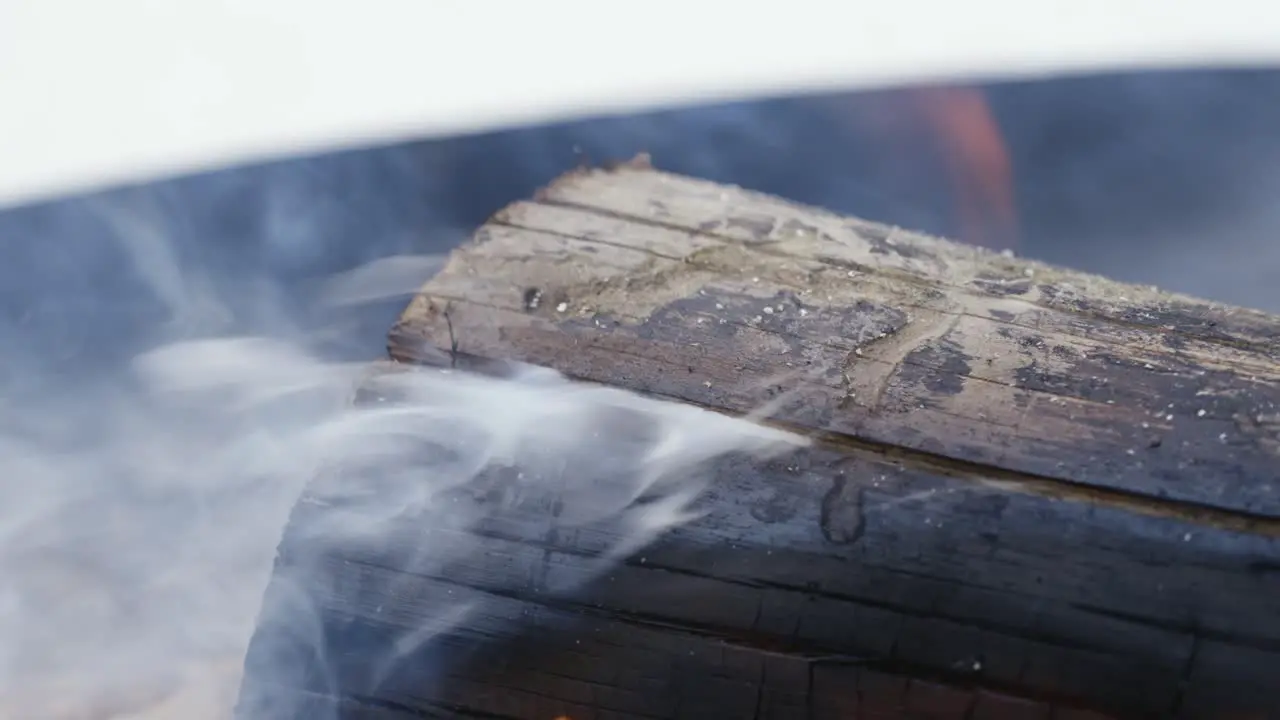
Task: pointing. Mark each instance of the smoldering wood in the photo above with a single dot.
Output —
(1033, 493)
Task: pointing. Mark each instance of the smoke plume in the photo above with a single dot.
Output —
(141, 515)
(180, 362)
(177, 361)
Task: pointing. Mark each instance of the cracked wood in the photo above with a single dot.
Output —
(1034, 493)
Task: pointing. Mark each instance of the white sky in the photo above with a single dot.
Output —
(98, 91)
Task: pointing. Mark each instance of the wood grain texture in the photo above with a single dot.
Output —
(1033, 493)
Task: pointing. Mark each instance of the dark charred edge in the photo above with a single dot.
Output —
(1265, 349)
(1187, 511)
(402, 349)
(812, 654)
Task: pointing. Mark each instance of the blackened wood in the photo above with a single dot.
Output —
(1035, 493)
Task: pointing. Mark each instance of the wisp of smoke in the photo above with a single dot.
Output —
(169, 385)
(139, 520)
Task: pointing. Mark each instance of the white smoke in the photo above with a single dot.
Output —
(140, 516)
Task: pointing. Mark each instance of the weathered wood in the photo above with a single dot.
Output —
(1033, 493)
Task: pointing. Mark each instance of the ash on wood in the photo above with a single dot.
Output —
(1033, 493)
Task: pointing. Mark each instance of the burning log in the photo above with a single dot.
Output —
(1030, 492)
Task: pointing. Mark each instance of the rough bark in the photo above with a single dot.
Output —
(1034, 492)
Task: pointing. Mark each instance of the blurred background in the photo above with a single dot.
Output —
(1167, 178)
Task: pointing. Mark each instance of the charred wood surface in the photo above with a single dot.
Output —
(1033, 492)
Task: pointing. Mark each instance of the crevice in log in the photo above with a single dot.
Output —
(1045, 486)
(498, 221)
(1184, 682)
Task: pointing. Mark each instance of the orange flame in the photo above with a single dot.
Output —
(977, 162)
